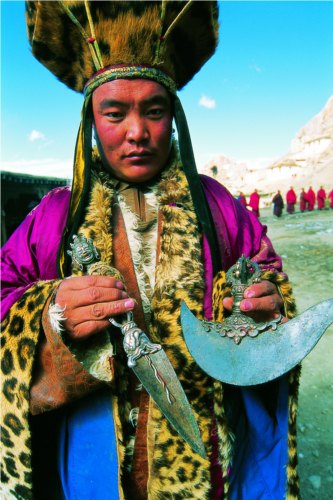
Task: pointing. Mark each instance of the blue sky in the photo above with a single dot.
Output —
(272, 72)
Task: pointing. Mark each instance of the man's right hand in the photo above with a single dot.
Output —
(89, 301)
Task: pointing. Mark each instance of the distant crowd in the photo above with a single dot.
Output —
(308, 201)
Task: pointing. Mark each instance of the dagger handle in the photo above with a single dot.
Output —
(136, 343)
(238, 295)
(237, 326)
(241, 275)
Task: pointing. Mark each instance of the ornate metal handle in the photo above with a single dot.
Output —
(244, 273)
(136, 343)
(237, 326)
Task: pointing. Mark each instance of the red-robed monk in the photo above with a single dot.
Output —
(321, 197)
(311, 199)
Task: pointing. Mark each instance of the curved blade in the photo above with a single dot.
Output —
(260, 359)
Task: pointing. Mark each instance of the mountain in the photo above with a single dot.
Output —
(309, 162)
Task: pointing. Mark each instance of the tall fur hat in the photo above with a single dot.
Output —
(75, 39)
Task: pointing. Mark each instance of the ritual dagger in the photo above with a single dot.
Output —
(148, 360)
(241, 352)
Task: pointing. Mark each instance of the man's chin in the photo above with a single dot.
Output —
(137, 173)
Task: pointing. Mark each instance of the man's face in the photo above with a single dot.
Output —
(133, 123)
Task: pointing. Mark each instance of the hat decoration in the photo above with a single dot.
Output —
(87, 43)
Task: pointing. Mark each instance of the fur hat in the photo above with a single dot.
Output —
(75, 39)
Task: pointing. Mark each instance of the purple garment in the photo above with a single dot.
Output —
(30, 253)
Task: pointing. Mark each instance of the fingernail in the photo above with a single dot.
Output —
(120, 285)
(124, 295)
(249, 294)
(130, 303)
(246, 305)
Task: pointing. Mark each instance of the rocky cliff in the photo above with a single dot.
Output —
(309, 162)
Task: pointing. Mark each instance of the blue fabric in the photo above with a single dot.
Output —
(87, 458)
(261, 454)
(88, 463)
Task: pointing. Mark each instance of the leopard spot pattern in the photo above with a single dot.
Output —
(20, 333)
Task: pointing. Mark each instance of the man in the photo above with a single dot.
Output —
(278, 204)
(242, 199)
(311, 197)
(254, 202)
(330, 197)
(321, 197)
(303, 201)
(291, 200)
(76, 421)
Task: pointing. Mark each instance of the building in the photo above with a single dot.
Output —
(20, 193)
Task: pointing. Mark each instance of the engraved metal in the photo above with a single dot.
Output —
(154, 370)
(137, 344)
(237, 326)
(83, 251)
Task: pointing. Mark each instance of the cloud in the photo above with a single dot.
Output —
(207, 102)
(35, 135)
(256, 68)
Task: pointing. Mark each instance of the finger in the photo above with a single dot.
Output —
(97, 295)
(265, 287)
(268, 303)
(100, 311)
(114, 308)
(89, 320)
(92, 295)
(228, 303)
(88, 328)
(83, 282)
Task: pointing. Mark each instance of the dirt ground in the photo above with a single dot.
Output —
(305, 242)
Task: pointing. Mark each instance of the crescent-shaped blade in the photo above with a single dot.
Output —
(259, 359)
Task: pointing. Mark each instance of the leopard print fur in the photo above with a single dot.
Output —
(20, 334)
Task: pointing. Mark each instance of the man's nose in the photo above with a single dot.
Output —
(137, 130)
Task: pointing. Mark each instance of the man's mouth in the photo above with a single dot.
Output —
(142, 153)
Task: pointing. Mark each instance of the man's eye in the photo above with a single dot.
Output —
(156, 112)
(114, 115)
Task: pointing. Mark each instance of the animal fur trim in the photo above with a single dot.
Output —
(143, 249)
(179, 276)
(57, 317)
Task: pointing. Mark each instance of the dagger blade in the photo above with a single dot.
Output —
(154, 370)
(259, 359)
(173, 404)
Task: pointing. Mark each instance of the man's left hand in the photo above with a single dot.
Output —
(261, 301)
